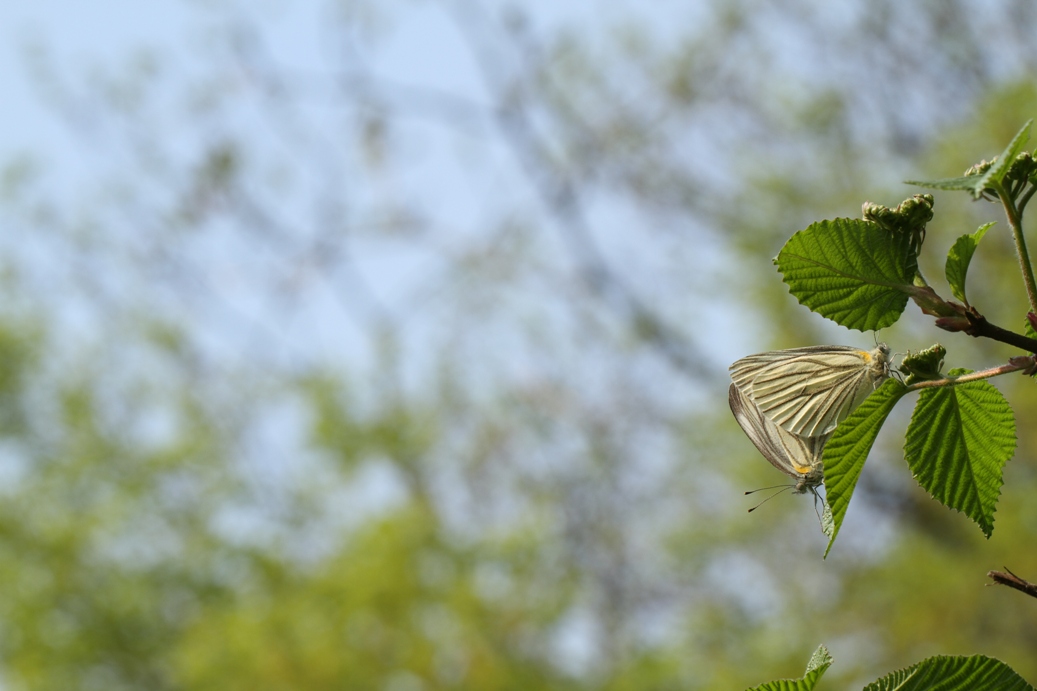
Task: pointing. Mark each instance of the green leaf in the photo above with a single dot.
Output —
(958, 260)
(850, 271)
(994, 175)
(848, 448)
(946, 673)
(958, 442)
(966, 182)
(820, 661)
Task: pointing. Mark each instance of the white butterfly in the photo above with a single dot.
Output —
(808, 391)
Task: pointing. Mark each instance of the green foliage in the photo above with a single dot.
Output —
(403, 433)
(820, 661)
(445, 521)
(941, 673)
(958, 442)
(1002, 165)
(964, 182)
(860, 274)
(958, 259)
(18, 348)
(962, 432)
(953, 674)
(848, 448)
(396, 604)
(853, 272)
(109, 566)
(987, 176)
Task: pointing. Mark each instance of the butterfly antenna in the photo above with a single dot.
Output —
(780, 488)
(761, 489)
(893, 369)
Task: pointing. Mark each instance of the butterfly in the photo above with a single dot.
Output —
(808, 391)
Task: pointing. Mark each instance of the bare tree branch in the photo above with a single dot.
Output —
(1013, 581)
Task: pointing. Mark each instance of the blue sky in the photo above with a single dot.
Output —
(77, 35)
(82, 36)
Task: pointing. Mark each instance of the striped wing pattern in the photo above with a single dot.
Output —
(798, 457)
(808, 391)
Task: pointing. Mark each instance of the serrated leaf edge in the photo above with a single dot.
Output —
(984, 521)
(896, 391)
(1004, 160)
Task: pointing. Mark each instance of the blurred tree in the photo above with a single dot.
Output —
(347, 380)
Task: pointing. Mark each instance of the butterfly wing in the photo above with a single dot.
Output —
(798, 457)
(808, 391)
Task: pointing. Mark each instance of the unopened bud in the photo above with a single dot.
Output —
(980, 168)
(953, 323)
(1026, 363)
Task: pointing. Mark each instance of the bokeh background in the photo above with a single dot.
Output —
(382, 344)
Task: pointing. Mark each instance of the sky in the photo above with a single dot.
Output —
(87, 40)
(79, 35)
(76, 34)
(419, 46)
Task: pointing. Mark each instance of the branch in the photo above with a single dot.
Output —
(1013, 581)
(1017, 364)
(954, 317)
(979, 326)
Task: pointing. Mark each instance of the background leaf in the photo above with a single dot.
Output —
(848, 448)
(953, 674)
(958, 442)
(958, 259)
(853, 272)
(820, 661)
